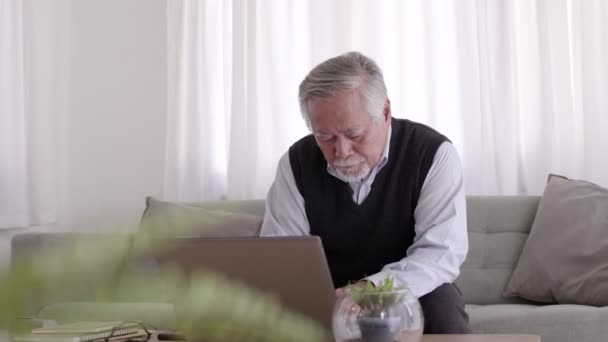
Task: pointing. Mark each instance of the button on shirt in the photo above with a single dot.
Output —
(440, 244)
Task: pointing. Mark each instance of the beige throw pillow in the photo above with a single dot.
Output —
(175, 220)
(565, 259)
(178, 220)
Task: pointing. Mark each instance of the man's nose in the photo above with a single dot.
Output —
(343, 148)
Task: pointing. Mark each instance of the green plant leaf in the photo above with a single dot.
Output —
(214, 307)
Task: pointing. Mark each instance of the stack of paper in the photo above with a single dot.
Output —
(84, 332)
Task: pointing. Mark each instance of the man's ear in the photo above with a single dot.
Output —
(387, 110)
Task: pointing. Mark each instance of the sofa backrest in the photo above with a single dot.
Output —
(498, 229)
(252, 207)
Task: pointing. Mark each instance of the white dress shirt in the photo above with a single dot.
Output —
(440, 243)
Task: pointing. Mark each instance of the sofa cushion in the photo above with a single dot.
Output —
(498, 227)
(179, 220)
(554, 323)
(565, 259)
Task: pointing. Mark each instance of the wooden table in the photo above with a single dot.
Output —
(4, 336)
(480, 338)
(458, 338)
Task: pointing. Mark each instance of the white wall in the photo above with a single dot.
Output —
(97, 75)
(113, 150)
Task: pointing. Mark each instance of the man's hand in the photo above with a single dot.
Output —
(347, 307)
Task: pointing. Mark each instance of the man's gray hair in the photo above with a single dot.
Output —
(352, 70)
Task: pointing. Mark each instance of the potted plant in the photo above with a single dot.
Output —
(384, 313)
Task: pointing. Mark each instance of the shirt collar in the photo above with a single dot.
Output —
(387, 145)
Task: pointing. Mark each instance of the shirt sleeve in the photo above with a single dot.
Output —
(285, 214)
(441, 242)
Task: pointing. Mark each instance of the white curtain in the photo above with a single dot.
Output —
(518, 86)
(533, 85)
(232, 103)
(26, 188)
(14, 208)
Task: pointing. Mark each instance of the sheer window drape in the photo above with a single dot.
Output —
(532, 91)
(231, 102)
(27, 175)
(14, 187)
(517, 85)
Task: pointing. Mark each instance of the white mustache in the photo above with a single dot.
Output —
(341, 163)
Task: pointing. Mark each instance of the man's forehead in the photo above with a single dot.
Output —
(343, 130)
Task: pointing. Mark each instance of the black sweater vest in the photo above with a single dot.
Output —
(360, 239)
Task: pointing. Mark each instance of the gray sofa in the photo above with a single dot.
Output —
(498, 227)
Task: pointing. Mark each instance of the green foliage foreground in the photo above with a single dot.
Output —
(210, 306)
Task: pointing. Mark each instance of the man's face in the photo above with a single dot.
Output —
(350, 139)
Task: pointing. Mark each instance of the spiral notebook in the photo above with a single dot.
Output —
(73, 337)
(82, 332)
(85, 327)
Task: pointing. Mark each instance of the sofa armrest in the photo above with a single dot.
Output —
(24, 245)
(85, 257)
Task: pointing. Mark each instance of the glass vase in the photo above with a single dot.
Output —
(377, 317)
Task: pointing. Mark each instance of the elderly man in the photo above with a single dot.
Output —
(385, 195)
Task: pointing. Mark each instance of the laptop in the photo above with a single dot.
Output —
(292, 268)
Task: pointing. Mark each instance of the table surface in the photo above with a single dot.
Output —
(459, 338)
(4, 336)
(480, 338)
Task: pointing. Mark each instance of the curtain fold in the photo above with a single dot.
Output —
(31, 92)
(198, 101)
(15, 207)
(516, 85)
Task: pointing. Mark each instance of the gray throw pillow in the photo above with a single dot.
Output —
(177, 220)
(565, 259)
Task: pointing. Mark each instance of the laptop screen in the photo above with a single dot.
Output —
(292, 268)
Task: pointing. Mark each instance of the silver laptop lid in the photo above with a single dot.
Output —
(293, 268)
